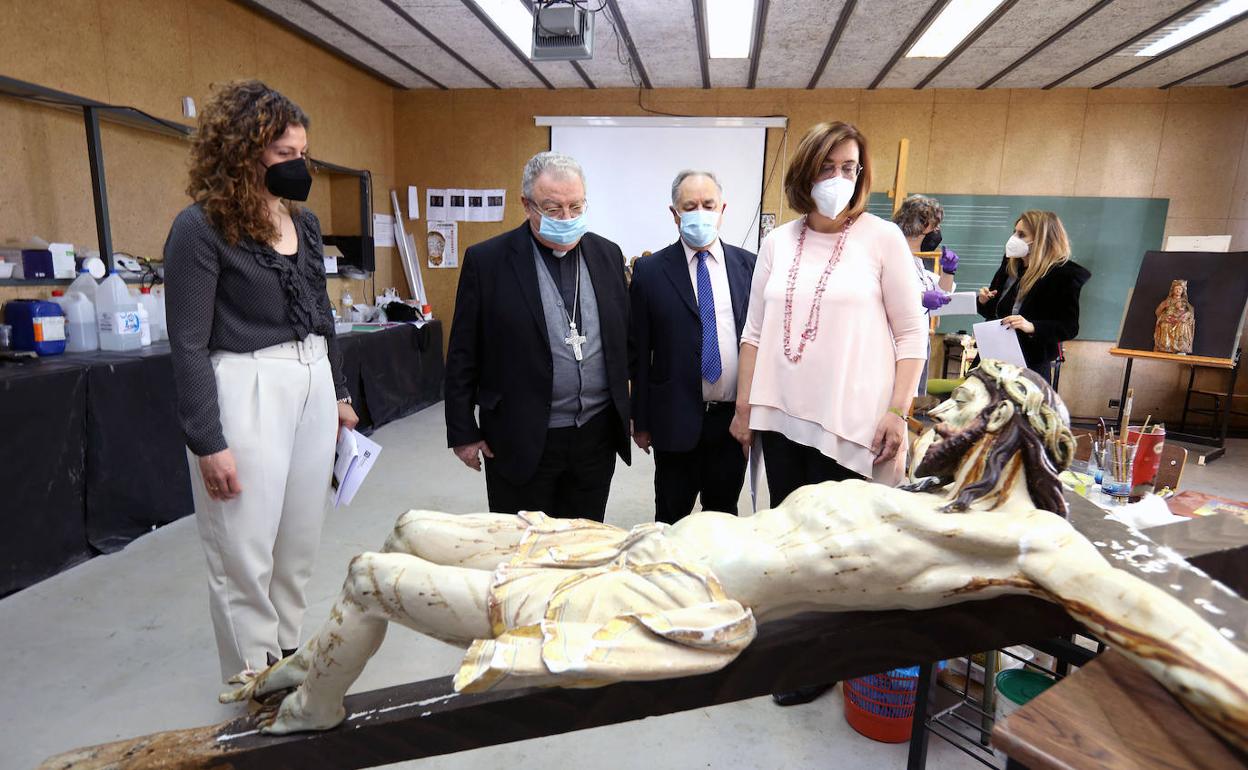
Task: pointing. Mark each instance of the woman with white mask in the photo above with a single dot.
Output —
(1036, 289)
(835, 337)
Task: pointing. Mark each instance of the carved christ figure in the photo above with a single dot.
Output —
(1176, 321)
(573, 603)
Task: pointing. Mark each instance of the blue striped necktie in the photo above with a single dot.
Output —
(712, 366)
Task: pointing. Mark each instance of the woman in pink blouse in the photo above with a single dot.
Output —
(835, 338)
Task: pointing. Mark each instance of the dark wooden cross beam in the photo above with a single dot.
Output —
(426, 719)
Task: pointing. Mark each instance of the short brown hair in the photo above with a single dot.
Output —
(807, 162)
(916, 213)
(239, 121)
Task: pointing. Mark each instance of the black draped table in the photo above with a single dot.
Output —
(92, 456)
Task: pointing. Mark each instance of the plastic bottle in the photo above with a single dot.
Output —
(145, 326)
(118, 315)
(160, 318)
(84, 284)
(149, 303)
(81, 333)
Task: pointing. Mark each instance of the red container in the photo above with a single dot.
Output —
(1147, 457)
(881, 706)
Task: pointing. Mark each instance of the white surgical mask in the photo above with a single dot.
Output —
(832, 195)
(1016, 247)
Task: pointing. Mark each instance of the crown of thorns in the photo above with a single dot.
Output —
(1037, 404)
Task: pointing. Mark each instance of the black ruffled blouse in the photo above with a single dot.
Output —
(239, 299)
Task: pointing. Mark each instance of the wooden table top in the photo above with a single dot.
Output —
(1111, 715)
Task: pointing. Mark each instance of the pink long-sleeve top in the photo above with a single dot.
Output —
(871, 317)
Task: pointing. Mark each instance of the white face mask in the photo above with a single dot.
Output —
(832, 195)
(1016, 248)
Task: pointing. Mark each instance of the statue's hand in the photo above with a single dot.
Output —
(925, 484)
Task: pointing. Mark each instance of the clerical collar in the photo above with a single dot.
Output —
(546, 251)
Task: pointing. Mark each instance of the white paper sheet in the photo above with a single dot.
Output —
(495, 202)
(755, 471)
(383, 230)
(413, 202)
(475, 206)
(456, 205)
(356, 455)
(435, 204)
(960, 303)
(996, 341)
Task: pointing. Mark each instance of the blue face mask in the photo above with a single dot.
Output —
(565, 232)
(698, 229)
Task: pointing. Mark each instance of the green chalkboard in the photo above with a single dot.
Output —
(1108, 236)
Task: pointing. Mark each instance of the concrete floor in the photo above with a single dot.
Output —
(122, 646)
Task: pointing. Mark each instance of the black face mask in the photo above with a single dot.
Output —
(289, 179)
(931, 241)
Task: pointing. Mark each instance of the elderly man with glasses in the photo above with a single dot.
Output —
(538, 347)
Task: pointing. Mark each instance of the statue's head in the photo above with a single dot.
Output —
(1178, 288)
(1000, 413)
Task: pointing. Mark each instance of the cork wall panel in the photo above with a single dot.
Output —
(1200, 147)
(44, 163)
(967, 147)
(1119, 149)
(39, 47)
(147, 54)
(885, 123)
(217, 56)
(1042, 142)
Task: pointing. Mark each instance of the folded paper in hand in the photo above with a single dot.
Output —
(356, 455)
(996, 341)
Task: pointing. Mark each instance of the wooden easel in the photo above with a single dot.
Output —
(898, 193)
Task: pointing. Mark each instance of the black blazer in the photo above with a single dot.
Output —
(665, 343)
(499, 355)
(1052, 306)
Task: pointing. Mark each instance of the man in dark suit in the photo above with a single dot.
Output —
(688, 309)
(539, 343)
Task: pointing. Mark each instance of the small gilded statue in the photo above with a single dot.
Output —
(1176, 321)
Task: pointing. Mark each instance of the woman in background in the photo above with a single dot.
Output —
(261, 394)
(919, 218)
(1036, 290)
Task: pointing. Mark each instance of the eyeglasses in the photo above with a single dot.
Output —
(564, 212)
(850, 170)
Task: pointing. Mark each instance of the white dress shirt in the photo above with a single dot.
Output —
(725, 324)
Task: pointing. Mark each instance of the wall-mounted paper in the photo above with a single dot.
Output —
(996, 341)
(475, 206)
(413, 202)
(435, 205)
(383, 230)
(495, 202)
(456, 205)
(960, 303)
(442, 244)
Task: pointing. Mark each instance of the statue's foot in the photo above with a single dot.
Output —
(297, 715)
(285, 674)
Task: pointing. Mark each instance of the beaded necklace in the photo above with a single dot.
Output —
(812, 322)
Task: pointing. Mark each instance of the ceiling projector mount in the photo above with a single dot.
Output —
(563, 30)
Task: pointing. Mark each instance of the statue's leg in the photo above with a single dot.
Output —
(473, 540)
(447, 603)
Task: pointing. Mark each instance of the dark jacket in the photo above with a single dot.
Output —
(665, 343)
(1052, 306)
(499, 358)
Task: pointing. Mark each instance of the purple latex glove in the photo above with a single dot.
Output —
(948, 260)
(935, 298)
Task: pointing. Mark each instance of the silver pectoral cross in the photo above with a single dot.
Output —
(575, 340)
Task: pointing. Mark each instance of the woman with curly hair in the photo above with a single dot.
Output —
(261, 393)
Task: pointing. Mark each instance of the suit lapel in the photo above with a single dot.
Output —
(676, 267)
(521, 259)
(738, 285)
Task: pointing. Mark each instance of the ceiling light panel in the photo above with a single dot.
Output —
(951, 27)
(730, 28)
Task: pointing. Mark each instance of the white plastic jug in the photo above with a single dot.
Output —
(84, 284)
(160, 318)
(155, 318)
(81, 333)
(118, 315)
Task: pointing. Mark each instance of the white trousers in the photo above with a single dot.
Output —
(280, 418)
